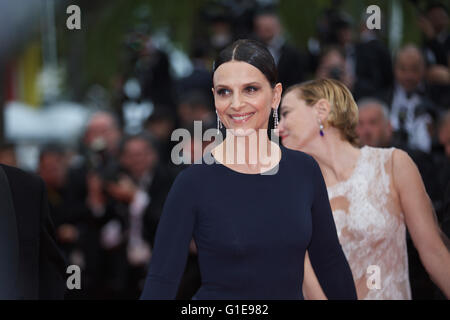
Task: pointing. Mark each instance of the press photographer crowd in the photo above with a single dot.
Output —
(106, 194)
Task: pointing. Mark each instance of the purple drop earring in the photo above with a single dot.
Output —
(321, 128)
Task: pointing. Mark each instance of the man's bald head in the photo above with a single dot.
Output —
(409, 68)
(374, 128)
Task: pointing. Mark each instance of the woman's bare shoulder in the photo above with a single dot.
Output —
(404, 170)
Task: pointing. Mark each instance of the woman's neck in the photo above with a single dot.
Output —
(336, 157)
(249, 153)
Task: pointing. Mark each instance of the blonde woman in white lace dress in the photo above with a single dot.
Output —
(375, 194)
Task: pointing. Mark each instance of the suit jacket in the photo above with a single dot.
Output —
(291, 66)
(427, 104)
(40, 266)
(373, 69)
(439, 50)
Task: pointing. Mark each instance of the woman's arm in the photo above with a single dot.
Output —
(311, 286)
(173, 235)
(325, 251)
(421, 220)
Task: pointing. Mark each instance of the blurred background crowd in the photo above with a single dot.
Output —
(92, 110)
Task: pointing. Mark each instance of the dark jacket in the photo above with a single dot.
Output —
(373, 69)
(291, 66)
(41, 268)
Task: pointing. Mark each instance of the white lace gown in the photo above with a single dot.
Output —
(371, 227)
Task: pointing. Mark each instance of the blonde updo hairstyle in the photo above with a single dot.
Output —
(343, 108)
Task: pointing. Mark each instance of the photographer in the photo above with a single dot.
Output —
(332, 64)
(136, 195)
(87, 199)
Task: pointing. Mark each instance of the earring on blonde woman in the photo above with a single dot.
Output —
(321, 128)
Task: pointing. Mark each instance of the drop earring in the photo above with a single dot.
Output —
(219, 124)
(321, 128)
(275, 118)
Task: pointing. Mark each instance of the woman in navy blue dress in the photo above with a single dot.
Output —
(252, 221)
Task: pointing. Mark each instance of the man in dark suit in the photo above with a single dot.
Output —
(31, 266)
(434, 25)
(412, 109)
(373, 65)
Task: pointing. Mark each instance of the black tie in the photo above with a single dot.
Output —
(9, 242)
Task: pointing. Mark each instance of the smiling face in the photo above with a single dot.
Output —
(299, 125)
(243, 96)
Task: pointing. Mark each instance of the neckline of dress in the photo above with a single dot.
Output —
(220, 164)
(355, 170)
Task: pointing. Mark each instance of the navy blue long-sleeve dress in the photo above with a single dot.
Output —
(251, 232)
